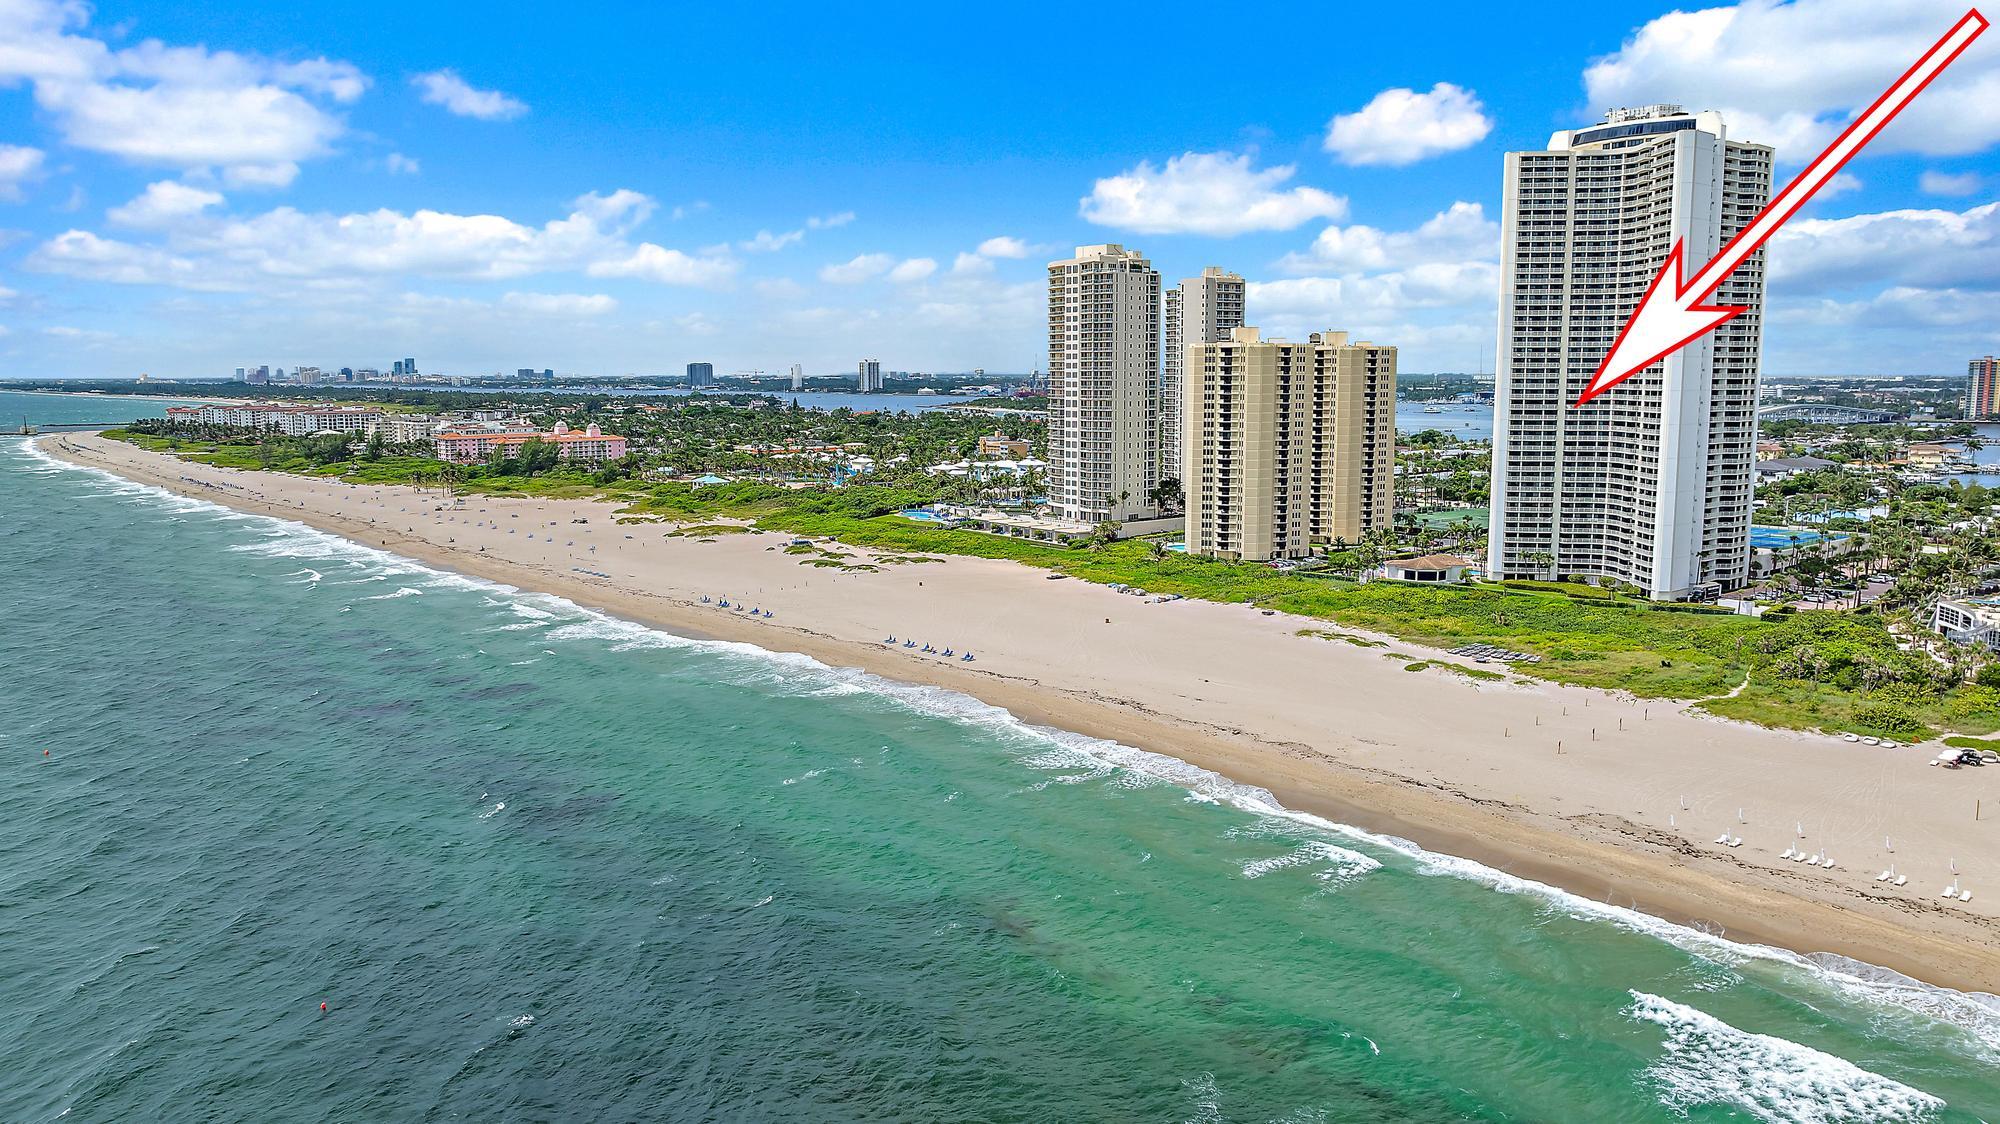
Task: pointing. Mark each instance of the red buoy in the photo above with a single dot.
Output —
(322, 1006)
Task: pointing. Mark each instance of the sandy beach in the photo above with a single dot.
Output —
(1614, 799)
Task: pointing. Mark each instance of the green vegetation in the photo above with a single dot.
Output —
(1811, 669)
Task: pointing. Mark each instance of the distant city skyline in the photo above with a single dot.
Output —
(182, 188)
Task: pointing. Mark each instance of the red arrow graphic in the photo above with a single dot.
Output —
(1672, 316)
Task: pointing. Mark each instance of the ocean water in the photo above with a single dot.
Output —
(544, 865)
(51, 409)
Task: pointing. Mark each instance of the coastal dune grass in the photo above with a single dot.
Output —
(1811, 670)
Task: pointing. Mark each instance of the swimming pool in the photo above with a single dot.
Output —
(1781, 538)
(922, 516)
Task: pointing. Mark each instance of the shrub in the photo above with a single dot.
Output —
(1886, 716)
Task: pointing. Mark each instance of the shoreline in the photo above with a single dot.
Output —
(1354, 758)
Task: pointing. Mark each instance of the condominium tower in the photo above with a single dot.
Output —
(798, 377)
(1198, 310)
(1649, 483)
(868, 376)
(1982, 389)
(1287, 443)
(701, 374)
(1104, 361)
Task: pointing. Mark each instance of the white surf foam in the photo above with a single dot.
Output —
(1977, 1013)
(1337, 865)
(1709, 1062)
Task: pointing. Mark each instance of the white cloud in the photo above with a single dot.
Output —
(18, 165)
(288, 247)
(1214, 193)
(163, 203)
(1841, 184)
(913, 269)
(1924, 248)
(280, 174)
(1337, 301)
(182, 107)
(861, 267)
(568, 305)
(1792, 74)
(971, 264)
(1948, 183)
(650, 262)
(1400, 126)
(397, 164)
(1459, 233)
(1004, 247)
(766, 242)
(456, 95)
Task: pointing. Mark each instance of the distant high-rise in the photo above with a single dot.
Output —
(1649, 483)
(260, 376)
(1982, 392)
(798, 376)
(409, 366)
(1199, 310)
(1287, 444)
(701, 374)
(1104, 363)
(868, 376)
(242, 374)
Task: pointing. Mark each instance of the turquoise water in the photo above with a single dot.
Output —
(51, 409)
(1779, 538)
(543, 865)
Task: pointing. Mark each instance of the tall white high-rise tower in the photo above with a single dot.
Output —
(1649, 483)
(1104, 363)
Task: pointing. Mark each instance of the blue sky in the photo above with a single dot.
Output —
(185, 188)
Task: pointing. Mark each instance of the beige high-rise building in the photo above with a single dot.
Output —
(1198, 310)
(1104, 362)
(1287, 444)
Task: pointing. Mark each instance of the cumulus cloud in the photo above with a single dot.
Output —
(566, 305)
(445, 88)
(164, 106)
(913, 269)
(861, 267)
(1401, 126)
(397, 164)
(288, 247)
(1004, 247)
(1792, 74)
(1368, 298)
(1214, 193)
(651, 262)
(163, 203)
(1927, 248)
(766, 242)
(970, 264)
(18, 165)
(1948, 183)
(1459, 233)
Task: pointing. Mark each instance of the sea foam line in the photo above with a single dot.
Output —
(1977, 1013)
(1709, 1062)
